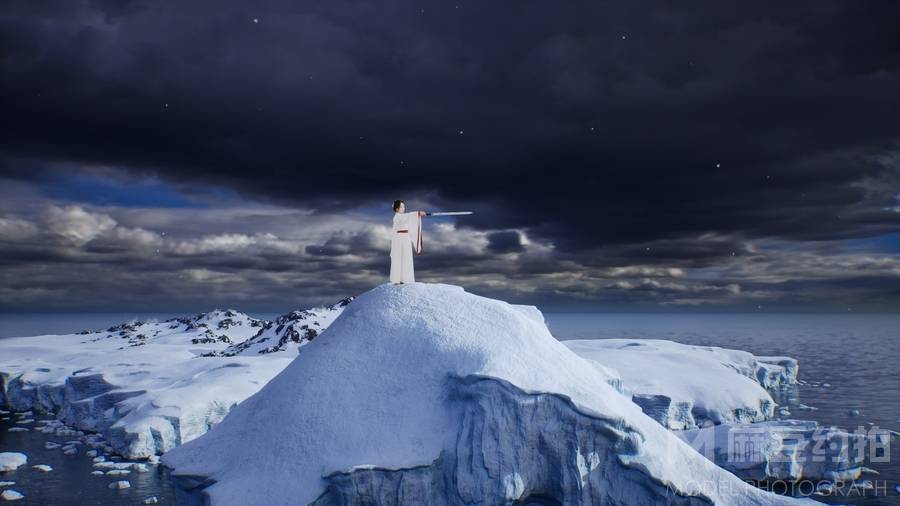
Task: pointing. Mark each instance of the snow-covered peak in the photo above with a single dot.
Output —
(429, 380)
(288, 332)
(217, 326)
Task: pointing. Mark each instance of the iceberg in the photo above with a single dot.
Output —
(10, 461)
(150, 386)
(684, 386)
(426, 394)
(784, 450)
(11, 495)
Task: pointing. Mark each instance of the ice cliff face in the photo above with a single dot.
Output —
(425, 394)
(683, 386)
(785, 449)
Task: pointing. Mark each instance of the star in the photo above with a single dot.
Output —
(256, 20)
(460, 132)
(718, 165)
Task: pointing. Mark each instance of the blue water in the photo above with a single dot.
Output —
(855, 354)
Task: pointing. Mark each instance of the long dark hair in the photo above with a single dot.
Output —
(397, 205)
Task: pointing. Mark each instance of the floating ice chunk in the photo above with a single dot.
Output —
(121, 484)
(91, 453)
(7, 483)
(10, 461)
(26, 421)
(151, 500)
(98, 473)
(824, 488)
(118, 472)
(50, 445)
(11, 495)
(42, 467)
(17, 429)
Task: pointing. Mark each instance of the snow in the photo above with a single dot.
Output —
(683, 386)
(150, 386)
(783, 450)
(417, 383)
(11, 495)
(10, 461)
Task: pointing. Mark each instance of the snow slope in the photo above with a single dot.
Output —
(145, 385)
(425, 394)
(683, 386)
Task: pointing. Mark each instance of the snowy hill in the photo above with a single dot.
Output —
(425, 394)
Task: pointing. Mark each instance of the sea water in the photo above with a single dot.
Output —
(848, 362)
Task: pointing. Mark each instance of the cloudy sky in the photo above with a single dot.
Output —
(619, 156)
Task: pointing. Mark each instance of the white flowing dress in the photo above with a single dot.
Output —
(406, 237)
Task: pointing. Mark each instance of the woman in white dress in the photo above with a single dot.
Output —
(406, 237)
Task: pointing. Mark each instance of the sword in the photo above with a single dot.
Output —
(449, 213)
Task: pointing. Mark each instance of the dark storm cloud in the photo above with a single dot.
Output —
(508, 241)
(621, 153)
(589, 124)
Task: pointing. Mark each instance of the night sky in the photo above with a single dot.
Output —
(619, 156)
